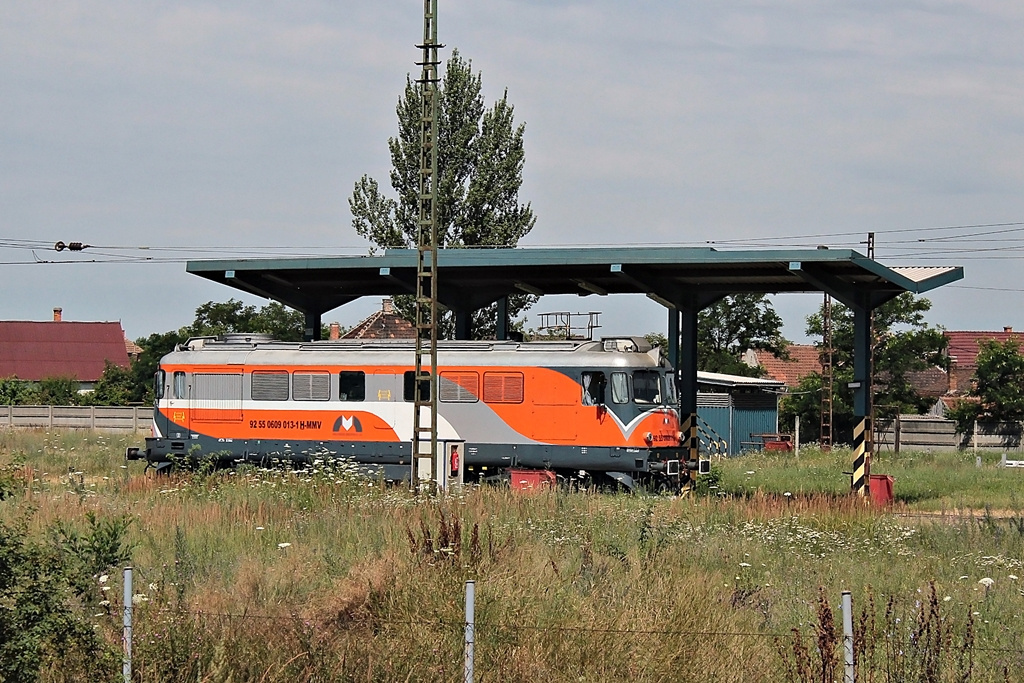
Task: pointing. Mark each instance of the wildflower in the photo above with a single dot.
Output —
(963, 578)
(987, 582)
(104, 577)
(284, 545)
(139, 598)
(744, 564)
(947, 598)
(104, 603)
(153, 587)
(787, 494)
(1013, 577)
(259, 528)
(750, 471)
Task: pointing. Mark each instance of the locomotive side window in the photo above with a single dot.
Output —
(311, 386)
(620, 387)
(410, 380)
(270, 385)
(158, 383)
(179, 385)
(593, 388)
(460, 387)
(503, 387)
(352, 385)
(646, 386)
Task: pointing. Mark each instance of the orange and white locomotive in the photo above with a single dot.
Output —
(602, 408)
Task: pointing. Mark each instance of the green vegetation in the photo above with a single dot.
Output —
(903, 342)
(318, 575)
(480, 172)
(998, 390)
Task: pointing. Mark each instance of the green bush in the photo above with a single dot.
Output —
(42, 624)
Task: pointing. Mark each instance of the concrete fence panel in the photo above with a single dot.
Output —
(100, 418)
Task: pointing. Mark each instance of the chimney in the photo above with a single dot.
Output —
(388, 306)
(1007, 329)
(335, 332)
(56, 315)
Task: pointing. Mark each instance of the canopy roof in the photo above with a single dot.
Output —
(679, 277)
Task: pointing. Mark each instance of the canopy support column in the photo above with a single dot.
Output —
(501, 323)
(312, 330)
(863, 434)
(687, 371)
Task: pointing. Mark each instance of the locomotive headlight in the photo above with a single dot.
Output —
(649, 438)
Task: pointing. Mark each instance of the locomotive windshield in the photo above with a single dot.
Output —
(646, 386)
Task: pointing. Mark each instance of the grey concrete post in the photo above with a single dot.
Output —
(470, 628)
(848, 637)
(126, 668)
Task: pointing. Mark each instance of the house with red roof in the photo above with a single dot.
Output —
(383, 324)
(963, 350)
(33, 351)
(803, 360)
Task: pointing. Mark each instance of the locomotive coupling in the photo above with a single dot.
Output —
(132, 453)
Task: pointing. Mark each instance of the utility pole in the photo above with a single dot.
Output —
(424, 430)
(825, 439)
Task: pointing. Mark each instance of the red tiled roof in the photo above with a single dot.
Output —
(930, 383)
(964, 345)
(384, 324)
(803, 360)
(35, 350)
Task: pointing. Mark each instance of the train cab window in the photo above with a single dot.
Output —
(620, 387)
(593, 388)
(311, 386)
(646, 386)
(158, 383)
(671, 393)
(270, 385)
(180, 390)
(352, 385)
(410, 381)
(459, 387)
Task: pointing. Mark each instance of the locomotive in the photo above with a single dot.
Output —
(604, 410)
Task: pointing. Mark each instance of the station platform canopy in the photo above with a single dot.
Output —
(683, 278)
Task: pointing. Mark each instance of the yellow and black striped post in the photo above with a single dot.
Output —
(861, 452)
(691, 442)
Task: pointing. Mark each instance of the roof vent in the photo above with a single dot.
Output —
(246, 338)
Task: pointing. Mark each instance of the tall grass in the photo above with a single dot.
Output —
(282, 576)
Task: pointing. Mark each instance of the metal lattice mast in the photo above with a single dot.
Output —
(424, 436)
(825, 440)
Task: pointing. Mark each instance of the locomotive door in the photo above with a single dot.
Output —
(451, 464)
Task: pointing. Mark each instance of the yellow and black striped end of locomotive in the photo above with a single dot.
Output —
(574, 407)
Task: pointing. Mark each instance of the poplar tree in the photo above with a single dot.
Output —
(480, 172)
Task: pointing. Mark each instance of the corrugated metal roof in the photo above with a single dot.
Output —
(36, 350)
(921, 273)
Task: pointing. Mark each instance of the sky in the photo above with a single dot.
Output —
(158, 132)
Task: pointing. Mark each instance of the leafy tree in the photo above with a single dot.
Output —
(58, 391)
(480, 171)
(903, 343)
(730, 327)
(14, 392)
(733, 325)
(233, 316)
(115, 387)
(998, 392)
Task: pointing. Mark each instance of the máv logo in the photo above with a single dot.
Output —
(348, 423)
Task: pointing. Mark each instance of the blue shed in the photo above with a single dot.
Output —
(732, 409)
